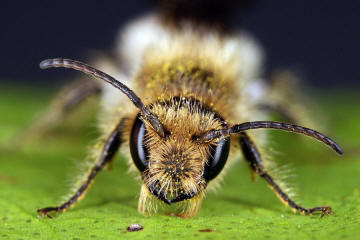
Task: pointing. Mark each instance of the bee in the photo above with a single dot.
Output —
(183, 106)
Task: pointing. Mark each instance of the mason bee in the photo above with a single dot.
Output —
(196, 92)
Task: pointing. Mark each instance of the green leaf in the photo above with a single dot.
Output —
(35, 176)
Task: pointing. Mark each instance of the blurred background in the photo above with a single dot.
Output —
(320, 39)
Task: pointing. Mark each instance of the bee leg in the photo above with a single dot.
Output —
(66, 101)
(110, 148)
(252, 156)
(284, 99)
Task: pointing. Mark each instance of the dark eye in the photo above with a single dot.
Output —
(139, 153)
(217, 159)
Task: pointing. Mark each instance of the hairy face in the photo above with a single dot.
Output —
(174, 168)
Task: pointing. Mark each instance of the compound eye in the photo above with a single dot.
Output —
(217, 159)
(139, 152)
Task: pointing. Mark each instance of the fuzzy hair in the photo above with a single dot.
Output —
(149, 205)
(222, 72)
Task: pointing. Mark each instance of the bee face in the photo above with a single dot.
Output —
(176, 168)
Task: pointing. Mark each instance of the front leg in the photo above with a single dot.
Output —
(65, 102)
(253, 157)
(110, 148)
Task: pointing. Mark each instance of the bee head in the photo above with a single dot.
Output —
(177, 167)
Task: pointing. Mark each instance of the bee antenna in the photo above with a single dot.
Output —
(79, 66)
(238, 128)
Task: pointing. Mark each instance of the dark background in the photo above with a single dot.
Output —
(318, 38)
